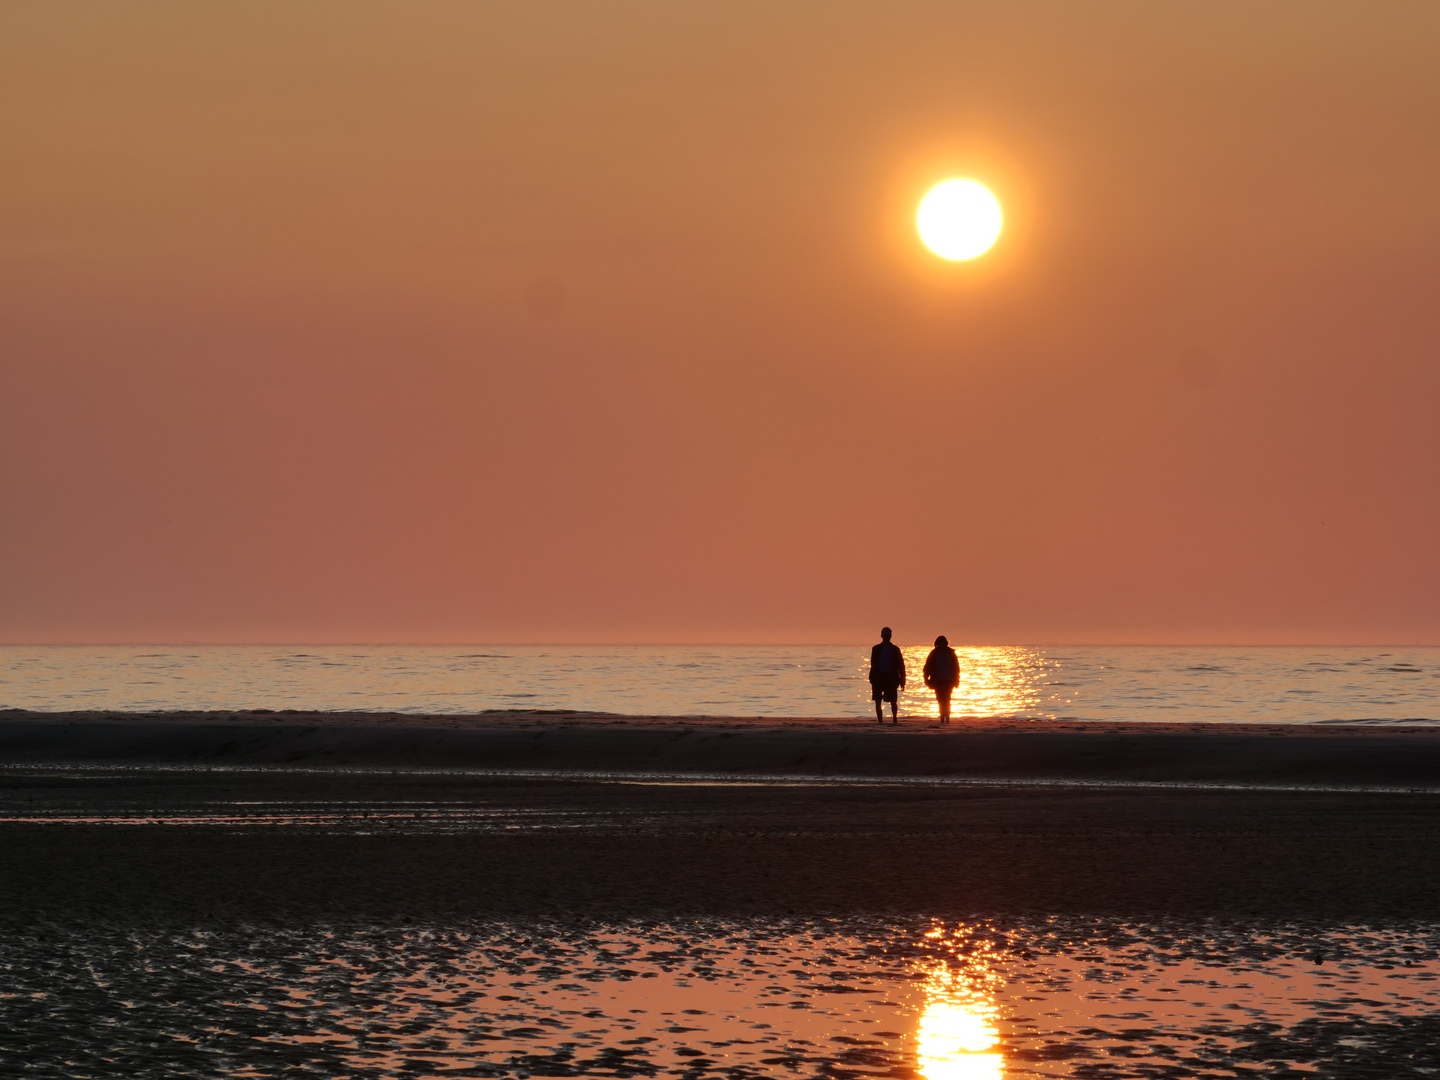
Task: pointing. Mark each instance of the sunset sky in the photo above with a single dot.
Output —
(570, 322)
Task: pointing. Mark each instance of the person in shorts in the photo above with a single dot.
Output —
(887, 677)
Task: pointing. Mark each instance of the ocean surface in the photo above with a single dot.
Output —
(915, 998)
(1226, 685)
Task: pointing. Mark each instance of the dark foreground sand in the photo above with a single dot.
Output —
(428, 842)
(1272, 755)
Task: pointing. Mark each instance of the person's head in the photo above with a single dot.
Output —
(884, 633)
(941, 642)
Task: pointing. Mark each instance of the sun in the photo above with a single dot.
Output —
(959, 219)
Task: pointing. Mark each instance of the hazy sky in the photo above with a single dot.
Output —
(607, 322)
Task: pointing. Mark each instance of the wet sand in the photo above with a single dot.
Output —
(303, 817)
(297, 847)
(1350, 756)
(723, 998)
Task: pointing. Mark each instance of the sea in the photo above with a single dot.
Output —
(1116, 683)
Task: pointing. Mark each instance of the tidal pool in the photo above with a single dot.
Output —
(938, 1000)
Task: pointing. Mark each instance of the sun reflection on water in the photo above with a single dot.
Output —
(995, 681)
(956, 1035)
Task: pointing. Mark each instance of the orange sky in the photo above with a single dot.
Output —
(607, 322)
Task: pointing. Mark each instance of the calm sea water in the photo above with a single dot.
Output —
(1274, 685)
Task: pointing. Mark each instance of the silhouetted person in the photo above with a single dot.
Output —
(887, 677)
(942, 674)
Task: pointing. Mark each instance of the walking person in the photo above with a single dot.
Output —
(887, 677)
(942, 674)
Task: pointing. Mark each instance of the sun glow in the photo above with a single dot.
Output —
(995, 681)
(956, 1042)
(956, 1038)
(959, 219)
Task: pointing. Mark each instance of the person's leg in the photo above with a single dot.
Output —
(943, 693)
(895, 707)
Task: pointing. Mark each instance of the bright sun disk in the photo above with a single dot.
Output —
(959, 219)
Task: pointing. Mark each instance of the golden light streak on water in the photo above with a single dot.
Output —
(956, 1035)
(995, 680)
(955, 1044)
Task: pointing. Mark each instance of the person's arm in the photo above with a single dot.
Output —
(900, 665)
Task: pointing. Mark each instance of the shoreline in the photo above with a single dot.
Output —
(592, 717)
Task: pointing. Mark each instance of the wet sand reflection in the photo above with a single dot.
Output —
(956, 1040)
(956, 1035)
(740, 1000)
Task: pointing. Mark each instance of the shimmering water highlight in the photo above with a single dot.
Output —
(702, 998)
(1282, 685)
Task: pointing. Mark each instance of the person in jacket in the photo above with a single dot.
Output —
(942, 674)
(887, 677)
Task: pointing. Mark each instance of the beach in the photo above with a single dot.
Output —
(523, 894)
(326, 816)
(1391, 756)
